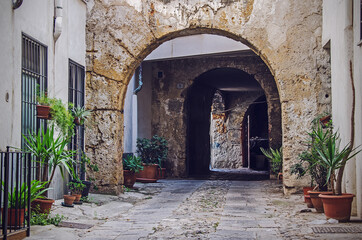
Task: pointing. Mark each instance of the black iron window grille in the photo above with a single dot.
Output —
(76, 96)
(15, 175)
(33, 82)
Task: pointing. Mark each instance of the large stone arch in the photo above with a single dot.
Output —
(121, 33)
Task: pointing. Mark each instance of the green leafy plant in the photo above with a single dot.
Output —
(86, 162)
(276, 157)
(42, 98)
(132, 163)
(80, 113)
(62, 117)
(331, 156)
(44, 219)
(152, 151)
(50, 151)
(76, 186)
(18, 197)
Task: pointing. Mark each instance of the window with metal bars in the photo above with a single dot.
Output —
(76, 96)
(33, 82)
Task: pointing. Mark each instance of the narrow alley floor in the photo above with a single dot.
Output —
(195, 209)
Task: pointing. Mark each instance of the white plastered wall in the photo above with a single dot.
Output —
(35, 18)
(339, 34)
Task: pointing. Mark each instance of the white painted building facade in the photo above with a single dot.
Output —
(342, 37)
(55, 29)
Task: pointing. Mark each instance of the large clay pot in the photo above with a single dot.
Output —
(13, 220)
(148, 174)
(305, 191)
(337, 206)
(42, 205)
(129, 178)
(317, 202)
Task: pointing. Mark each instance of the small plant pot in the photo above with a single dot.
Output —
(77, 121)
(77, 197)
(305, 191)
(308, 201)
(85, 191)
(317, 201)
(337, 206)
(42, 205)
(129, 178)
(69, 199)
(43, 112)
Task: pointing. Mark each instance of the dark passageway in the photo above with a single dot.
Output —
(237, 88)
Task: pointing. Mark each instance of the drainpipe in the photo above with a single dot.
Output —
(140, 83)
(58, 18)
(17, 3)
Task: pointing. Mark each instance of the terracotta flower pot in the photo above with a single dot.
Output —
(43, 112)
(305, 191)
(148, 174)
(42, 205)
(77, 197)
(337, 206)
(308, 201)
(129, 178)
(15, 217)
(317, 202)
(68, 199)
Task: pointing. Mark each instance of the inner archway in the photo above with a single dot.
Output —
(230, 95)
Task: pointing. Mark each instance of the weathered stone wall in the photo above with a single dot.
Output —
(286, 34)
(226, 149)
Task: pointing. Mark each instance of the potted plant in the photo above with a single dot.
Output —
(276, 160)
(50, 151)
(131, 166)
(76, 187)
(80, 114)
(309, 165)
(152, 152)
(18, 199)
(85, 164)
(43, 106)
(336, 205)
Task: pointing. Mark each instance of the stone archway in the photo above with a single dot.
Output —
(121, 33)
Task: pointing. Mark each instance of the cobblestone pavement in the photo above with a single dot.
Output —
(195, 209)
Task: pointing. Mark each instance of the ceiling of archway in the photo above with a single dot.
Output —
(229, 80)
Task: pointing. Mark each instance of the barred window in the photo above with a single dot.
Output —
(33, 81)
(76, 96)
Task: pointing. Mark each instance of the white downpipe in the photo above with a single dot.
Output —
(58, 18)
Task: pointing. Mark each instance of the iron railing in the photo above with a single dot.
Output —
(15, 175)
